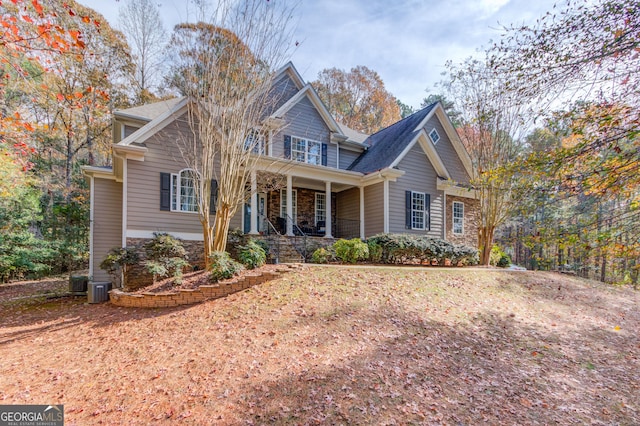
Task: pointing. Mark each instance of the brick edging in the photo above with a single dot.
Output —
(189, 296)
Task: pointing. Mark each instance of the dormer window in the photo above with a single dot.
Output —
(434, 136)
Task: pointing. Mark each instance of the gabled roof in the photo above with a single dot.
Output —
(386, 146)
(149, 111)
(292, 72)
(155, 125)
(309, 92)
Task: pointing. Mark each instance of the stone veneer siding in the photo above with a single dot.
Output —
(306, 206)
(470, 232)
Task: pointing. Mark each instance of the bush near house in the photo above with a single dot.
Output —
(252, 255)
(120, 259)
(322, 255)
(498, 257)
(351, 251)
(411, 249)
(399, 249)
(222, 266)
(165, 256)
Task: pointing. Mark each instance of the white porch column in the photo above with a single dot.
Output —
(327, 197)
(289, 217)
(386, 206)
(362, 236)
(254, 204)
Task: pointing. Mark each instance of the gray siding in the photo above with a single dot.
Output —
(447, 152)
(128, 130)
(283, 90)
(373, 206)
(107, 223)
(347, 157)
(303, 120)
(143, 189)
(348, 204)
(420, 177)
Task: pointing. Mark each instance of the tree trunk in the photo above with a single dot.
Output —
(221, 229)
(207, 232)
(485, 242)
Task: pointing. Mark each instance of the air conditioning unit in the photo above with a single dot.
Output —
(98, 292)
(78, 284)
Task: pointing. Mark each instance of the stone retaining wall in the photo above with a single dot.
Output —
(188, 296)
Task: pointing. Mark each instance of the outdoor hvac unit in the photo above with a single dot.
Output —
(78, 284)
(98, 292)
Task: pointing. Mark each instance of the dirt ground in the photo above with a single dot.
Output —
(336, 345)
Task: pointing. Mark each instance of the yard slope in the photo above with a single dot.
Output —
(334, 345)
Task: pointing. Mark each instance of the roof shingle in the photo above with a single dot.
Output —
(386, 145)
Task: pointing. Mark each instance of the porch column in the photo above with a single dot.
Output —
(289, 218)
(385, 206)
(362, 236)
(327, 197)
(254, 204)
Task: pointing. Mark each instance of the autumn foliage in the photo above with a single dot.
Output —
(358, 98)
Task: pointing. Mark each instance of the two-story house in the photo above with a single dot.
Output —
(411, 177)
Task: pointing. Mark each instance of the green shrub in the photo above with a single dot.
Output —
(498, 257)
(118, 260)
(252, 255)
(165, 256)
(222, 266)
(351, 250)
(375, 251)
(405, 249)
(321, 255)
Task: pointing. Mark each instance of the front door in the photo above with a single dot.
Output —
(262, 213)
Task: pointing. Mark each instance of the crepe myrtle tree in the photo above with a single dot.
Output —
(225, 67)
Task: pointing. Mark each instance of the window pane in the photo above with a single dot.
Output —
(458, 218)
(418, 210)
(174, 192)
(320, 207)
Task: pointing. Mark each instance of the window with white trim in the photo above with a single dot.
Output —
(183, 191)
(255, 141)
(458, 218)
(419, 210)
(306, 151)
(321, 207)
(283, 204)
(434, 136)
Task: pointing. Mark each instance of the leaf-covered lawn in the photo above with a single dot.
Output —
(339, 346)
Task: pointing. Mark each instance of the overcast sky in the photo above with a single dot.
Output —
(406, 41)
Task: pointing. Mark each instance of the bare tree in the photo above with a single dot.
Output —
(226, 67)
(140, 21)
(491, 126)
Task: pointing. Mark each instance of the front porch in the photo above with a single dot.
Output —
(318, 209)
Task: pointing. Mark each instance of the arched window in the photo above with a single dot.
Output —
(183, 191)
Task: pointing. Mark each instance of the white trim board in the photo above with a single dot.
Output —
(148, 234)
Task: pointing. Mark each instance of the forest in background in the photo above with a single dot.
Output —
(549, 115)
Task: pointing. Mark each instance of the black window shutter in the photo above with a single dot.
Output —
(287, 146)
(324, 154)
(407, 219)
(427, 202)
(165, 191)
(213, 196)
